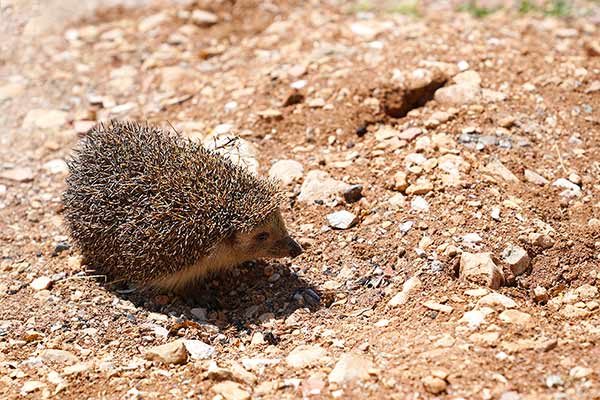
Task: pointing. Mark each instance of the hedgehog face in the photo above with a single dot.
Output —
(269, 240)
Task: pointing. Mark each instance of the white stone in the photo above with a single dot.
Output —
(515, 317)
(169, 353)
(58, 356)
(287, 171)
(199, 350)
(350, 368)
(411, 284)
(56, 166)
(231, 391)
(44, 119)
(496, 299)
(319, 185)
(419, 204)
(41, 283)
(342, 219)
(204, 18)
(572, 190)
(517, 259)
(19, 174)
(306, 355)
(481, 268)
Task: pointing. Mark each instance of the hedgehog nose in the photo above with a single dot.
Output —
(294, 248)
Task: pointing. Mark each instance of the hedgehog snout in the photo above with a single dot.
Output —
(293, 247)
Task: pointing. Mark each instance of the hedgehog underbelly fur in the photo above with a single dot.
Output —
(221, 258)
(155, 208)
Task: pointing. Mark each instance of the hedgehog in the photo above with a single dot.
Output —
(159, 210)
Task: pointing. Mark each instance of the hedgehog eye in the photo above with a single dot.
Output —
(261, 237)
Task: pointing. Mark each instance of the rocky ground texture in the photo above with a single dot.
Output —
(442, 172)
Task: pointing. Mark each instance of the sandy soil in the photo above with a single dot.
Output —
(468, 135)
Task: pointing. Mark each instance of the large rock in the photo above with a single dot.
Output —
(44, 119)
(411, 284)
(241, 152)
(199, 350)
(481, 268)
(517, 259)
(58, 356)
(350, 368)
(169, 353)
(10, 90)
(19, 174)
(287, 171)
(458, 94)
(319, 185)
(341, 219)
(306, 355)
(231, 391)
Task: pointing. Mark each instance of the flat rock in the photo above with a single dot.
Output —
(481, 268)
(469, 77)
(341, 219)
(153, 21)
(397, 200)
(204, 18)
(411, 284)
(587, 291)
(540, 240)
(398, 182)
(169, 353)
(495, 167)
(306, 355)
(353, 193)
(434, 385)
(58, 356)
(515, 317)
(420, 188)
(77, 369)
(199, 350)
(319, 185)
(31, 386)
(571, 311)
(286, 171)
(350, 368)
(473, 318)
(241, 375)
(44, 119)
(572, 190)
(239, 151)
(535, 178)
(10, 90)
(496, 299)
(41, 283)
(458, 94)
(419, 204)
(19, 174)
(56, 166)
(485, 338)
(444, 308)
(231, 391)
(580, 372)
(517, 259)
(199, 313)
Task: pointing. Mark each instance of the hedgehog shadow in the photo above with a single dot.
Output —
(240, 297)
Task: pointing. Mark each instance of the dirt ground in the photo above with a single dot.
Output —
(469, 134)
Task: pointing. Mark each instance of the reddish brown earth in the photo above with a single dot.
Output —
(545, 117)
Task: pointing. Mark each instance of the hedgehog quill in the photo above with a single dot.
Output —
(159, 210)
